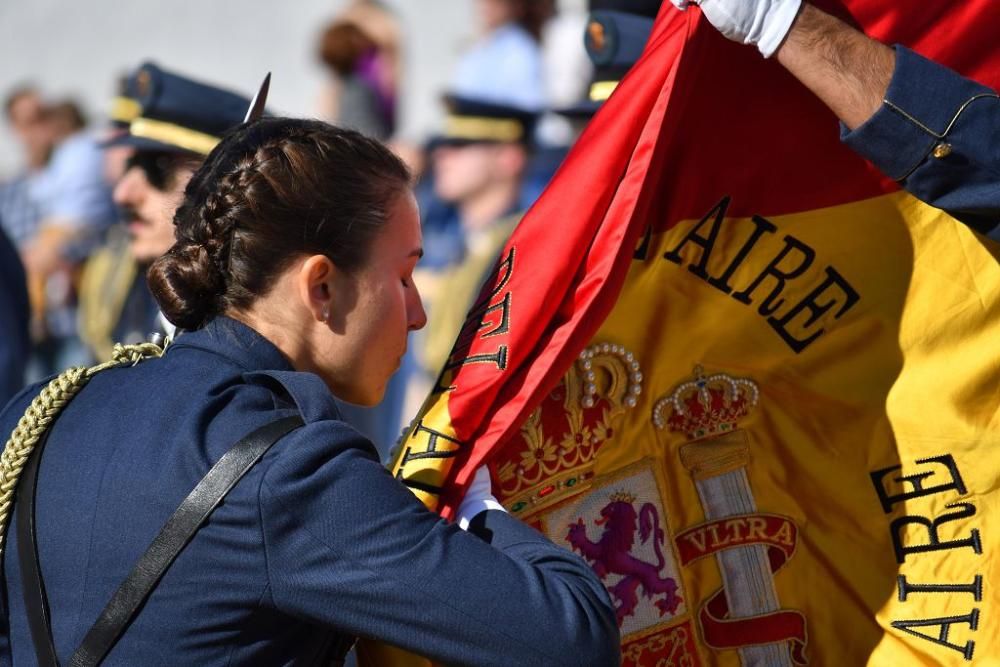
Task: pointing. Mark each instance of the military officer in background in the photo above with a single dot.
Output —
(615, 36)
(479, 161)
(172, 123)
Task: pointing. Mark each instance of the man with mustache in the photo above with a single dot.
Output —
(173, 123)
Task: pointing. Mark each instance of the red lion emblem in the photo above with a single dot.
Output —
(611, 554)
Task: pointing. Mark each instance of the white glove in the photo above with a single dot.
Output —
(478, 498)
(761, 22)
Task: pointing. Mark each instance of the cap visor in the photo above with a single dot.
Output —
(441, 141)
(584, 109)
(142, 144)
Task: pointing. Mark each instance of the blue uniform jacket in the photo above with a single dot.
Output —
(317, 539)
(14, 341)
(938, 134)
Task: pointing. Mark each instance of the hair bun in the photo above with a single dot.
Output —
(187, 284)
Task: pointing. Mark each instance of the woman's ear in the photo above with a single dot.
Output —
(315, 286)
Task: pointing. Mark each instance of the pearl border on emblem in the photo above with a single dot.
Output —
(585, 363)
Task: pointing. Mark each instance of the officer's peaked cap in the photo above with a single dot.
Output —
(616, 33)
(178, 114)
(470, 121)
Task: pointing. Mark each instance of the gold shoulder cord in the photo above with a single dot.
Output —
(43, 411)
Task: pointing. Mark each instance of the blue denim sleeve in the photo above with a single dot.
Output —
(348, 547)
(938, 134)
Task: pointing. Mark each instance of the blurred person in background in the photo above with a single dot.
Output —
(110, 273)
(74, 200)
(478, 164)
(360, 49)
(124, 109)
(19, 215)
(25, 115)
(614, 36)
(472, 194)
(504, 64)
(14, 341)
(481, 185)
(502, 67)
(566, 69)
(62, 206)
(172, 123)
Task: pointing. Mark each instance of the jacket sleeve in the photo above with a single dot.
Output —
(938, 134)
(349, 547)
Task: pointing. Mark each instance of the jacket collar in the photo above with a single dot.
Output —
(260, 359)
(236, 342)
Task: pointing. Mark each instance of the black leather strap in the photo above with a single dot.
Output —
(173, 537)
(36, 605)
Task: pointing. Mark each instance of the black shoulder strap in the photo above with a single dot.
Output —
(173, 537)
(32, 589)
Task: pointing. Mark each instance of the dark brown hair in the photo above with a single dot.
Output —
(340, 46)
(67, 116)
(271, 191)
(535, 14)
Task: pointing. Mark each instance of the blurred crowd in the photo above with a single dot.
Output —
(91, 205)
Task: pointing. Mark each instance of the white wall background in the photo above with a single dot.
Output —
(78, 49)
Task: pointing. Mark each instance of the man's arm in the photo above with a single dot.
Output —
(920, 123)
(844, 68)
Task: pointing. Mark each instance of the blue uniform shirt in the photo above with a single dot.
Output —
(318, 540)
(938, 134)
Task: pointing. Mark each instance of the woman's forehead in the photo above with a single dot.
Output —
(402, 235)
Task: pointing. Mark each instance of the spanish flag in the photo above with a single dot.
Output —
(556, 280)
(742, 374)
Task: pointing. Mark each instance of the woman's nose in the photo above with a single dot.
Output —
(417, 317)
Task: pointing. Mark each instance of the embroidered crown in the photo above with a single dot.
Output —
(623, 497)
(706, 406)
(552, 456)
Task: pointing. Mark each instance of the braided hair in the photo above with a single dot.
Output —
(271, 191)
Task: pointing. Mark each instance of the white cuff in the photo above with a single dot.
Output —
(779, 22)
(468, 511)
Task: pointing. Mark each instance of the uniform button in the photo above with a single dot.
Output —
(942, 150)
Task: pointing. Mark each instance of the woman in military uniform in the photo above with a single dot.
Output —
(292, 276)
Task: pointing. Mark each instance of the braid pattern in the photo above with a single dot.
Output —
(44, 410)
(271, 191)
(218, 218)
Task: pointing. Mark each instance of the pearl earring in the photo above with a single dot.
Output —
(326, 314)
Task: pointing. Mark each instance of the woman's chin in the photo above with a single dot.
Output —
(366, 397)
